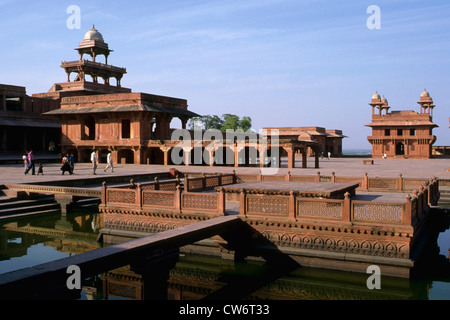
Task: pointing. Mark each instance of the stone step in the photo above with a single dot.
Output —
(27, 214)
(14, 203)
(29, 208)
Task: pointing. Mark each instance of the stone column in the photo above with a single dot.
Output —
(187, 156)
(304, 158)
(166, 150)
(291, 157)
(316, 159)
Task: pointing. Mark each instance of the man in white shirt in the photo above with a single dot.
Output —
(110, 163)
(94, 160)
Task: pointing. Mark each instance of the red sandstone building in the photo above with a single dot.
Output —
(108, 117)
(22, 127)
(402, 134)
(135, 127)
(327, 140)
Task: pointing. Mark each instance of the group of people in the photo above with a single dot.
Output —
(68, 163)
(94, 160)
(29, 163)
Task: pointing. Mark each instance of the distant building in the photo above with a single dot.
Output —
(22, 127)
(402, 134)
(328, 140)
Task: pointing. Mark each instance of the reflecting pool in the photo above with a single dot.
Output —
(30, 241)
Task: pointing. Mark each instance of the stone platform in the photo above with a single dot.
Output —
(304, 189)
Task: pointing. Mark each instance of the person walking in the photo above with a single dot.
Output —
(25, 161)
(31, 166)
(110, 162)
(72, 162)
(94, 160)
(66, 165)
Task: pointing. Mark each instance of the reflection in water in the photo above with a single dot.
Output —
(34, 240)
(194, 277)
(178, 276)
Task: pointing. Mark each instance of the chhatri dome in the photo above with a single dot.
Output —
(376, 96)
(425, 94)
(93, 34)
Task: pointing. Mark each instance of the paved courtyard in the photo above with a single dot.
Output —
(341, 166)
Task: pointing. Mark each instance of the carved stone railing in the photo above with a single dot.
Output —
(366, 183)
(207, 182)
(297, 207)
(138, 199)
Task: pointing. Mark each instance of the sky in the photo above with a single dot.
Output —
(280, 62)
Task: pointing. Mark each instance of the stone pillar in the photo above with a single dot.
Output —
(304, 158)
(407, 214)
(137, 155)
(187, 156)
(316, 159)
(166, 151)
(346, 210)
(221, 202)
(211, 158)
(64, 201)
(291, 157)
(242, 202)
(236, 155)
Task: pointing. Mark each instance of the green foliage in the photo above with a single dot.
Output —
(227, 121)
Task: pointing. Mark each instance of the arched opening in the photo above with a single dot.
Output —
(125, 156)
(154, 156)
(271, 157)
(248, 156)
(400, 149)
(102, 155)
(224, 156)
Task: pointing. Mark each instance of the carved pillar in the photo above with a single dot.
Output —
(221, 202)
(316, 159)
(242, 200)
(407, 213)
(64, 201)
(304, 158)
(236, 155)
(166, 151)
(291, 157)
(187, 156)
(346, 209)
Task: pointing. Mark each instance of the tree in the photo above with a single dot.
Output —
(245, 124)
(228, 121)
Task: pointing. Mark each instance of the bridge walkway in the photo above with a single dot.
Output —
(46, 278)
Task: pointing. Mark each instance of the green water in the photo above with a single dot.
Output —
(31, 241)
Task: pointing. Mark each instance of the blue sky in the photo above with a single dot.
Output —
(281, 62)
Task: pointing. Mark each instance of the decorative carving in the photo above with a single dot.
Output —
(120, 196)
(267, 205)
(159, 199)
(383, 183)
(199, 201)
(377, 212)
(319, 209)
(396, 247)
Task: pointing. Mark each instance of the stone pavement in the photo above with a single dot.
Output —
(410, 168)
